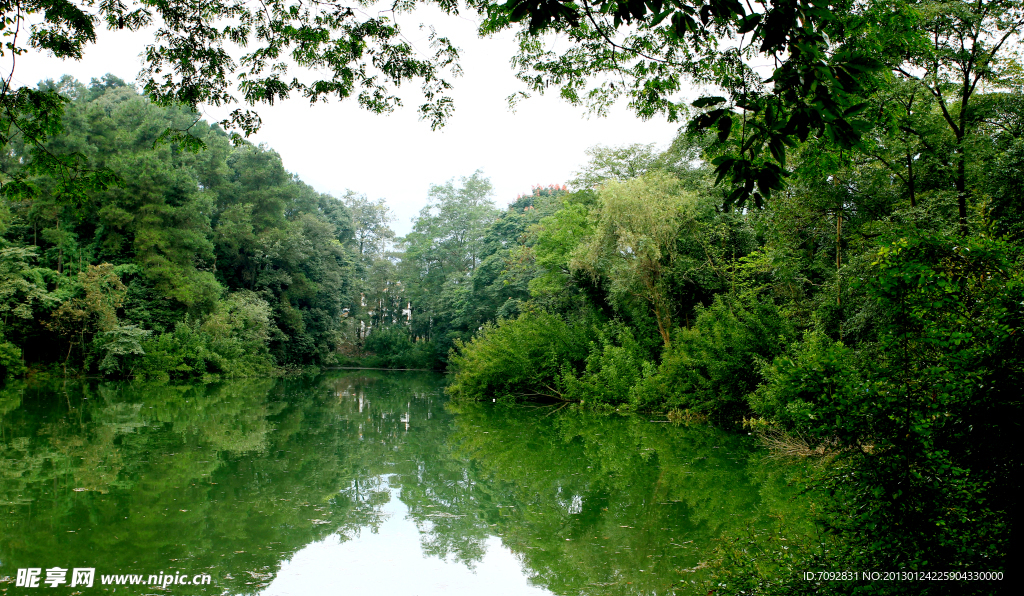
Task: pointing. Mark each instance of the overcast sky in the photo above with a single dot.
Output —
(338, 146)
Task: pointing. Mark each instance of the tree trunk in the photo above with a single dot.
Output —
(910, 180)
(961, 188)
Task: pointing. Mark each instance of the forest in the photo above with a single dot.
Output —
(854, 318)
(189, 263)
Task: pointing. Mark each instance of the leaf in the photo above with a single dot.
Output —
(856, 109)
(724, 128)
(711, 100)
(737, 197)
(659, 17)
(778, 150)
(724, 166)
(749, 22)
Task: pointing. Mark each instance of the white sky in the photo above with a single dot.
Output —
(338, 146)
(390, 560)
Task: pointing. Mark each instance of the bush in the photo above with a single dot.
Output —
(392, 347)
(11, 362)
(123, 350)
(712, 367)
(937, 484)
(926, 467)
(801, 390)
(518, 358)
(615, 364)
(189, 352)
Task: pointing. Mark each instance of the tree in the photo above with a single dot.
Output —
(954, 58)
(822, 51)
(649, 45)
(372, 223)
(645, 50)
(23, 288)
(615, 163)
(824, 56)
(190, 61)
(442, 252)
(165, 269)
(338, 51)
(634, 241)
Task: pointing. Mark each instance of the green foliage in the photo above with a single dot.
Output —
(518, 358)
(188, 64)
(23, 288)
(633, 245)
(939, 480)
(712, 367)
(650, 49)
(11, 362)
(188, 352)
(441, 255)
(889, 125)
(391, 347)
(556, 237)
(615, 163)
(615, 364)
(227, 238)
(1006, 184)
(799, 390)
(232, 342)
(122, 347)
(923, 425)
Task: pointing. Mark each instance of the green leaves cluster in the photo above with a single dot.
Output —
(192, 58)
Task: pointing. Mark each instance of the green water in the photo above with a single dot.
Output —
(357, 482)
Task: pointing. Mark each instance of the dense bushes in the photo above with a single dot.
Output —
(916, 413)
(800, 384)
(710, 368)
(921, 424)
(942, 472)
(615, 364)
(392, 347)
(11, 363)
(519, 358)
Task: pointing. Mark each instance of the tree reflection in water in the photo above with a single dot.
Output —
(234, 478)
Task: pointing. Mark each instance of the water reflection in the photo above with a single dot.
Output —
(348, 482)
(390, 560)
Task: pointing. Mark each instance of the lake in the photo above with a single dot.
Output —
(362, 482)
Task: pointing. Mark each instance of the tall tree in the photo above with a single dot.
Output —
(958, 49)
(372, 225)
(443, 250)
(634, 242)
(615, 163)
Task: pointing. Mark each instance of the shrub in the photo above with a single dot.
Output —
(11, 362)
(801, 390)
(615, 364)
(712, 367)
(189, 352)
(392, 347)
(123, 350)
(518, 358)
(926, 472)
(939, 410)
